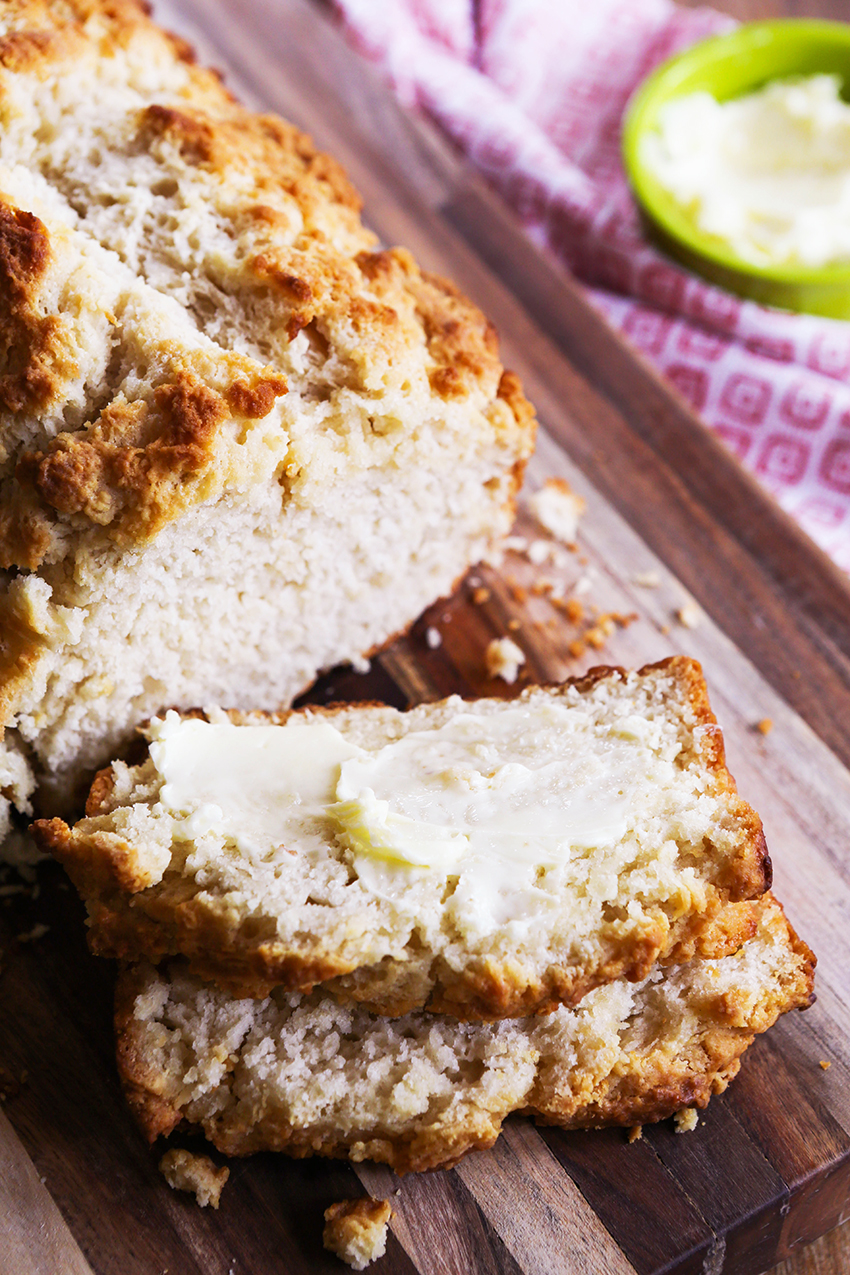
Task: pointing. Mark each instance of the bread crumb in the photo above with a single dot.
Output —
(635, 1133)
(765, 726)
(664, 629)
(539, 551)
(686, 1120)
(824, 1066)
(433, 638)
(360, 664)
(689, 615)
(356, 1230)
(503, 659)
(519, 593)
(557, 508)
(516, 544)
(571, 607)
(541, 587)
(185, 1171)
(647, 579)
(30, 936)
(583, 585)
(481, 595)
(514, 624)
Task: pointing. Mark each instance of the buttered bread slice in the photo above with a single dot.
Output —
(481, 858)
(312, 1077)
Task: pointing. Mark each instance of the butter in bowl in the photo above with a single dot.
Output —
(738, 152)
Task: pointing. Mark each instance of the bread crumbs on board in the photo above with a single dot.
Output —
(686, 1120)
(356, 1230)
(557, 508)
(196, 1174)
(503, 658)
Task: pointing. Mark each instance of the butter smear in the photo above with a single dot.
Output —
(494, 802)
(768, 173)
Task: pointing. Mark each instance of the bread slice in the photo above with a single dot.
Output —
(570, 837)
(312, 1077)
(239, 441)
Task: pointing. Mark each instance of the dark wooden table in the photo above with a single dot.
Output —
(831, 1254)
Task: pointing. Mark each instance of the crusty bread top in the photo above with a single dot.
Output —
(673, 880)
(309, 1076)
(189, 300)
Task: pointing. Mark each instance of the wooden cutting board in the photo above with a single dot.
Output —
(768, 1169)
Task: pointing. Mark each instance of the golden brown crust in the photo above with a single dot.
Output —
(142, 464)
(21, 647)
(660, 1089)
(142, 1084)
(460, 341)
(100, 791)
(365, 1209)
(28, 339)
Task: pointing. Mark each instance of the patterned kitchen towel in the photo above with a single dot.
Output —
(533, 92)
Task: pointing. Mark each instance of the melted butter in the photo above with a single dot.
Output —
(529, 809)
(768, 172)
(245, 783)
(369, 828)
(496, 801)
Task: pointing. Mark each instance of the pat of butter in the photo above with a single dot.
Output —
(368, 827)
(243, 782)
(768, 172)
(494, 800)
(533, 809)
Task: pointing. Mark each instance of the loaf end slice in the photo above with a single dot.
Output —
(309, 1076)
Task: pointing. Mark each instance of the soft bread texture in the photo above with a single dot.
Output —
(312, 1077)
(238, 441)
(298, 914)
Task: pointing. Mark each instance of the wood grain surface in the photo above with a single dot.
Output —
(830, 1255)
(768, 1169)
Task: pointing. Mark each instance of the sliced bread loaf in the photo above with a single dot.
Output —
(239, 443)
(313, 1077)
(481, 858)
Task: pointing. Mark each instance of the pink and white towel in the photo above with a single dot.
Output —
(533, 92)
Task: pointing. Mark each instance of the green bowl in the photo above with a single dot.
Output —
(728, 66)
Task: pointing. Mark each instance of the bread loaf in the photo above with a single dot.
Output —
(481, 858)
(312, 1077)
(239, 441)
